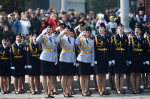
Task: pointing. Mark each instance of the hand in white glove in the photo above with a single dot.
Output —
(113, 62)
(77, 64)
(110, 63)
(147, 62)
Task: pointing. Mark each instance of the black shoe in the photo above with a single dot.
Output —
(55, 93)
(106, 93)
(89, 93)
(50, 96)
(37, 92)
(9, 91)
(123, 92)
(134, 92)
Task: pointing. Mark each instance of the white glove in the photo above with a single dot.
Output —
(26, 66)
(77, 64)
(13, 67)
(92, 65)
(29, 66)
(110, 63)
(147, 62)
(74, 64)
(55, 63)
(143, 63)
(113, 61)
(95, 62)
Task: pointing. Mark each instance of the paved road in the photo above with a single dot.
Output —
(95, 95)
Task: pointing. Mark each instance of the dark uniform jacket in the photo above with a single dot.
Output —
(137, 49)
(102, 47)
(119, 47)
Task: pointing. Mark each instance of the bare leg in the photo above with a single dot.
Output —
(121, 81)
(99, 82)
(82, 84)
(117, 81)
(32, 83)
(1, 84)
(36, 83)
(132, 80)
(16, 84)
(55, 84)
(44, 83)
(103, 82)
(50, 82)
(137, 81)
(87, 83)
(64, 84)
(8, 83)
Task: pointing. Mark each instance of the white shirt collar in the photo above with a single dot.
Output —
(18, 44)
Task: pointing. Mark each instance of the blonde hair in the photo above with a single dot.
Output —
(54, 14)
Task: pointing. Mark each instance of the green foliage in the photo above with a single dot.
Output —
(100, 5)
(11, 5)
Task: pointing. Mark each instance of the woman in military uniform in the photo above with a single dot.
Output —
(4, 66)
(67, 60)
(48, 59)
(102, 57)
(33, 61)
(86, 60)
(137, 57)
(147, 70)
(119, 56)
(17, 58)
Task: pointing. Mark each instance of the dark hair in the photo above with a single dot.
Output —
(102, 25)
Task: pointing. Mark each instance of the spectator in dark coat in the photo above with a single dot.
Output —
(35, 24)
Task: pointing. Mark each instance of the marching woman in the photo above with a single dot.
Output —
(137, 57)
(17, 58)
(147, 44)
(48, 59)
(119, 56)
(67, 60)
(102, 57)
(33, 53)
(4, 66)
(86, 60)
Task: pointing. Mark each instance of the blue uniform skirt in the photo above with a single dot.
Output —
(47, 68)
(66, 69)
(136, 66)
(19, 70)
(5, 68)
(120, 66)
(35, 70)
(84, 68)
(101, 67)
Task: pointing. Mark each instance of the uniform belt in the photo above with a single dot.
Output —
(148, 50)
(67, 50)
(138, 50)
(4, 58)
(35, 55)
(119, 49)
(102, 49)
(18, 56)
(48, 50)
(88, 52)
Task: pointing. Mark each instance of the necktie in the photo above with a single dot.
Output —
(69, 40)
(139, 38)
(50, 39)
(87, 41)
(103, 36)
